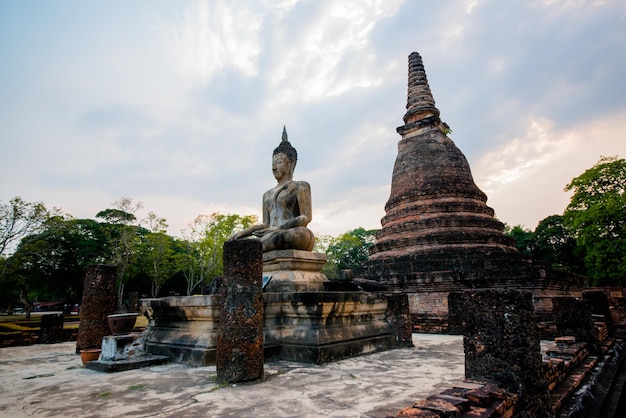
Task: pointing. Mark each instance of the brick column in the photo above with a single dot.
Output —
(572, 317)
(51, 330)
(239, 354)
(98, 302)
(598, 301)
(501, 343)
(399, 316)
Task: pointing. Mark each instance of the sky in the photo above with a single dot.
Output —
(179, 104)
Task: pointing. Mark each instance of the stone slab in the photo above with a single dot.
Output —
(294, 281)
(293, 260)
(123, 365)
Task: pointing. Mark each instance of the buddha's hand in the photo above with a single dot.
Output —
(261, 232)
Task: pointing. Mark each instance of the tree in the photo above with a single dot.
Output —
(158, 253)
(19, 219)
(555, 244)
(52, 263)
(524, 239)
(124, 239)
(597, 216)
(348, 251)
(207, 235)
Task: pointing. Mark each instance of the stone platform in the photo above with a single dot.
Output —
(184, 328)
(320, 327)
(309, 327)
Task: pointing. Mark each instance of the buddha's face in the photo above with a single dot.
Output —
(281, 167)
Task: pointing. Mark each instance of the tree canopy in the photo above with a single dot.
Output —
(597, 216)
(347, 251)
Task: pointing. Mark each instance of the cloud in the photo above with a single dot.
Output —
(525, 178)
(215, 35)
(180, 105)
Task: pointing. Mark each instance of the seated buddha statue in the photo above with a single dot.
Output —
(286, 207)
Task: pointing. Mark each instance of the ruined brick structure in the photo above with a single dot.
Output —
(438, 234)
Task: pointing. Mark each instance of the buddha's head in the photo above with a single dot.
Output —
(284, 158)
(286, 148)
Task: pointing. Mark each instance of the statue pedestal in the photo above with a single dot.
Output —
(302, 322)
(294, 271)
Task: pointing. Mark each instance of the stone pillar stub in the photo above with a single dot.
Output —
(455, 313)
(51, 330)
(598, 302)
(572, 317)
(98, 302)
(294, 271)
(399, 316)
(239, 355)
(501, 343)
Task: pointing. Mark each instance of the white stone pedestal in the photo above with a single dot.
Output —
(122, 347)
(294, 271)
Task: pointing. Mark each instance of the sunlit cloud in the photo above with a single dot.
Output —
(511, 161)
(525, 179)
(331, 55)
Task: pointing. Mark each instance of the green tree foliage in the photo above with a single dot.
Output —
(52, 263)
(124, 242)
(597, 216)
(18, 221)
(157, 253)
(348, 251)
(551, 242)
(524, 239)
(555, 243)
(202, 259)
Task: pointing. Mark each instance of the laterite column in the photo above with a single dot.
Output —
(501, 343)
(239, 354)
(98, 302)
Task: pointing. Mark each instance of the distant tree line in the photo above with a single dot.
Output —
(44, 253)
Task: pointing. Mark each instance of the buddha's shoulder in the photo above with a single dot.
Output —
(301, 184)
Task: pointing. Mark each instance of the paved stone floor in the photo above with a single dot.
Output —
(50, 381)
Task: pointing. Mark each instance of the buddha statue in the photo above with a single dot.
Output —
(286, 207)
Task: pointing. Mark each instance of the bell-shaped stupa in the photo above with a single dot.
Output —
(438, 232)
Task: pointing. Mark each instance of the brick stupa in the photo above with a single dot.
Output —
(438, 229)
(438, 234)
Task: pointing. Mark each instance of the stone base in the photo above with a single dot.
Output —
(320, 327)
(124, 352)
(122, 347)
(294, 271)
(183, 328)
(123, 365)
(310, 327)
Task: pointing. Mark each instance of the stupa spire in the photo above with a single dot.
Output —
(420, 103)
